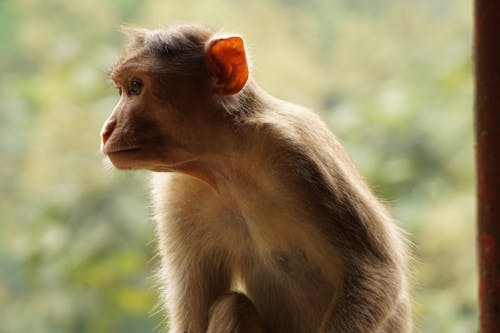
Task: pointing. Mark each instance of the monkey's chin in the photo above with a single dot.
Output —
(125, 159)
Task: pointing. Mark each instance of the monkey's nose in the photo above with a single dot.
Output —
(106, 131)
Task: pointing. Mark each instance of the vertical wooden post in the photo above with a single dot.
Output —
(487, 126)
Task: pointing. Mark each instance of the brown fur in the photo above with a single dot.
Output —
(233, 313)
(253, 197)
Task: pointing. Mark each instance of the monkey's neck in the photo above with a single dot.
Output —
(240, 143)
(201, 170)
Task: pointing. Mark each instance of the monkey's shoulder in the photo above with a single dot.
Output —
(300, 145)
(296, 129)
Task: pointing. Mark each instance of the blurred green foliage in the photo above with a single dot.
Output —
(392, 78)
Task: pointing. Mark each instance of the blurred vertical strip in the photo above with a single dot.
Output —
(487, 123)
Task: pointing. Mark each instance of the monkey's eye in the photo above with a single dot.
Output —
(134, 87)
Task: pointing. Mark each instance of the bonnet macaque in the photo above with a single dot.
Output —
(264, 224)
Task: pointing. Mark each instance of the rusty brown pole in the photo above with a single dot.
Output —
(487, 126)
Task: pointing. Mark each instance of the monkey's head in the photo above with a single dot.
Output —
(170, 83)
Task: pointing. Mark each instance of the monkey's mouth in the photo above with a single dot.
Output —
(120, 150)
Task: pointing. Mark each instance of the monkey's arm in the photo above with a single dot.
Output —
(189, 295)
(372, 298)
(195, 268)
(233, 313)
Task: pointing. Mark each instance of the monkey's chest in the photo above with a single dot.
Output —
(287, 269)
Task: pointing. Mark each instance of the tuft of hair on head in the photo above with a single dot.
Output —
(182, 38)
(137, 41)
(136, 35)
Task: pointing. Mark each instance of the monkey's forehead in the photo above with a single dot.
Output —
(127, 63)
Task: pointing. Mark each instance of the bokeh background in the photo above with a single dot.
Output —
(393, 79)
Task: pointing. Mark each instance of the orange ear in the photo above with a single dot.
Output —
(227, 62)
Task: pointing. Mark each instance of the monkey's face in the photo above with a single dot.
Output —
(166, 118)
(143, 131)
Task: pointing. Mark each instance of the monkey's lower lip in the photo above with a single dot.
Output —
(121, 150)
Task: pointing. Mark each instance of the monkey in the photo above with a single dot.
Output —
(263, 222)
